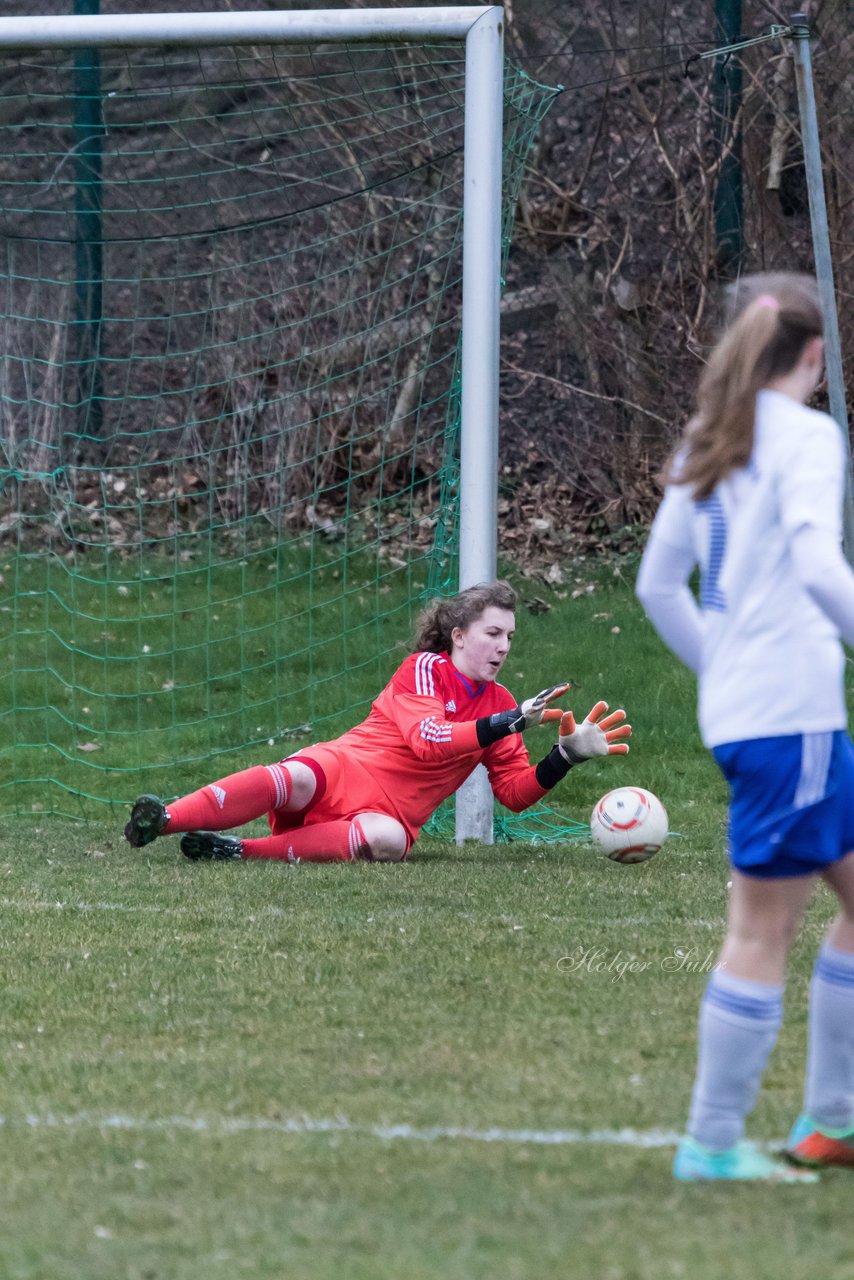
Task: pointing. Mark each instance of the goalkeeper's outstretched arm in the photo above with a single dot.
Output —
(420, 717)
(517, 785)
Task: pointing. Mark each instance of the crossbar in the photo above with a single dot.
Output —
(251, 27)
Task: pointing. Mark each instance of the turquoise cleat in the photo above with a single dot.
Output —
(741, 1163)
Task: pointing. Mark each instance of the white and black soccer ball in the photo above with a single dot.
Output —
(629, 824)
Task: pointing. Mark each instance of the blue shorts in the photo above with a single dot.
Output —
(791, 802)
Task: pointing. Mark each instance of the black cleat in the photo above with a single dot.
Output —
(210, 846)
(147, 819)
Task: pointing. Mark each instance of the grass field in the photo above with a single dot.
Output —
(471, 1065)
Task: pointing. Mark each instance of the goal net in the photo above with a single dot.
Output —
(230, 287)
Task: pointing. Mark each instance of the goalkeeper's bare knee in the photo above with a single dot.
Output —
(302, 785)
(385, 837)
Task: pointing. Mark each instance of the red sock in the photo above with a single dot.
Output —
(341, 841)
(231, 801)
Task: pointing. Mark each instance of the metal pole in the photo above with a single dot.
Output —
(727, 98)
(481, 322)
(89, 251)
(250, 27)
(800, 33)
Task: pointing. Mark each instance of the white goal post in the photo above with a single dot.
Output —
(482, 30)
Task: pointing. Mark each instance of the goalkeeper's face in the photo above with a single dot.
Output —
(480, 651)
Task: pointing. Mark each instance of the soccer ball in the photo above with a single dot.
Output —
(629, 824)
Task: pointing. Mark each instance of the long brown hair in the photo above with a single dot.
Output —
(771, 319)
(436, 622)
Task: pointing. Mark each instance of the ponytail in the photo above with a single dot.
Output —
(772, 319)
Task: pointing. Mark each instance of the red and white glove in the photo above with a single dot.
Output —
(537, 710)
(594, 736)
(534, 710)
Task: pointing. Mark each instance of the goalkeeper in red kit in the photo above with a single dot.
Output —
(368, 793)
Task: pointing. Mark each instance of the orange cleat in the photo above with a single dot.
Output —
(817, 1148)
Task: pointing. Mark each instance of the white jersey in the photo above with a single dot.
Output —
(771, 661)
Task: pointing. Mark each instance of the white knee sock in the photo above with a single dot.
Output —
(829, 1095)
(739, 1023)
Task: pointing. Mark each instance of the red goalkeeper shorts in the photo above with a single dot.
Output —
(345, 788)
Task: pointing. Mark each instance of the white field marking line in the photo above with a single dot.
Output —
(647, 920)
(19, 904)
(226, 1125)
(150, 908)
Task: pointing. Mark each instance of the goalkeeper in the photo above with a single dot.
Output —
(368, 793)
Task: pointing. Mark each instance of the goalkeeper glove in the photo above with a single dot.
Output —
(532, 711)
(593, 737)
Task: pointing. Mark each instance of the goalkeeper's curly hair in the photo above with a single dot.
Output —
(436, 622)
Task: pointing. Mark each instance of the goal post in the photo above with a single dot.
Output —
(481, 30)
(481, 321)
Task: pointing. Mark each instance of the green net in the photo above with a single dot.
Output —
(229, 399)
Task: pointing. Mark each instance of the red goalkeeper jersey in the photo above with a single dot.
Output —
(419, 742)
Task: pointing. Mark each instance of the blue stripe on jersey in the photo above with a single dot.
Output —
(711, 595)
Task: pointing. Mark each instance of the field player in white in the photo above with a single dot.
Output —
(754, 497)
